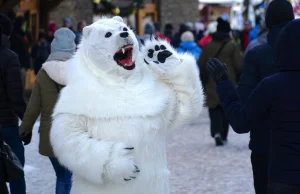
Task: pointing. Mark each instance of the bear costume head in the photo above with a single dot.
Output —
(110, 46)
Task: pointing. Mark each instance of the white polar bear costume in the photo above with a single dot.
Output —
(111, 120)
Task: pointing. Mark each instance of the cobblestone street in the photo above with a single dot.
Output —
(196, 165)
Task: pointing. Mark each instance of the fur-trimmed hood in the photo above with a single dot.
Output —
(56, 70)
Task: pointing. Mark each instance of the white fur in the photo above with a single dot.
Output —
(56, 70)
(105, 108)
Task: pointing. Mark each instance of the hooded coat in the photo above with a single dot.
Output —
(191, 47)
(274, 101)
(49, 81)
(258, 64)
(230, 55)
(12, 103)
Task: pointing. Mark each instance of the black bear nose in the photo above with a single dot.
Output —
(124, 34)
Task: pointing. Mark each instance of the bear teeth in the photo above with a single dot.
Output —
(123, 50)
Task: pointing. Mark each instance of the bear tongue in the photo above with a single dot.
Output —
(127, 61)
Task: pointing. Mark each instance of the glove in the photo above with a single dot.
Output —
(217, 70)
(26, 138)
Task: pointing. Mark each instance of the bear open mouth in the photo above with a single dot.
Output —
(124, 57)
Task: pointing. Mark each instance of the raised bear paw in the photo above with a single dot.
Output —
(121, 167)
(160, 56)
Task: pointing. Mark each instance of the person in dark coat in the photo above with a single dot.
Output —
(78, 33)
(258, 64)
(168, 31)
(20, 45)
(244, 35)
(12, 103)
(229, 53)
(274, 101)
(40, 52)
(176, 40)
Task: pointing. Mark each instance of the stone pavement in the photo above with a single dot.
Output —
(196, 165)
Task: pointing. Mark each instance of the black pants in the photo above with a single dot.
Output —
(218, 122)
(3, 188)
(279, 188)
(260, 172)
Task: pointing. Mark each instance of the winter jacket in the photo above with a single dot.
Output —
(203, 41)
(45, 91)
(12, 103)
(20, 45)
(78, 37)
(258, 64)
(191, 47)
(261, 39)
(230, 55)
(253, 33)
(275, 100)
(40, 53)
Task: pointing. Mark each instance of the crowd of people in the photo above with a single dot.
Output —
(256, 91)
(49, 66)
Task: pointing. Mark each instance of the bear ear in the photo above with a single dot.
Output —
(86, 31)
(118, 18)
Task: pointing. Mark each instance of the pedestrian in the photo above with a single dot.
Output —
(189, 45)
(148, 31)
(40, 52)
(177, 37)
(159, 34)
(168, 31)
(50, 80)
(211, 29)
(12, 103)
(20, 45)
(259, 64)
(50, 32)
(254, 31)
(67, 23)
(199, 27)
(275, 101)
(244, 35)
(223, 48)
(78, 33)
(261, 39)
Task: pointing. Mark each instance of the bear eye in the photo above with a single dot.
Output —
(108, 34)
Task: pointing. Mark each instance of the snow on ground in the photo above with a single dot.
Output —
(196, 165)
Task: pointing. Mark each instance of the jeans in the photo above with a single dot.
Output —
(12, 138)
(279, 188)
(260, 172)
(63, 177)
(218, 122)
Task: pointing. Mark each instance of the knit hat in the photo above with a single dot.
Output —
(211, 28)
(52, 27)
(64, 41)
(279, 11)
(223, 26)
(68, 21)
(5, 24)
(187, 36)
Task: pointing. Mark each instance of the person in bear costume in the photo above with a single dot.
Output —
(111, 120)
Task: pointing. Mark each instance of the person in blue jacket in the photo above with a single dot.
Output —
(253, 33)
(189, 45)
(275, 101)
(258, 64)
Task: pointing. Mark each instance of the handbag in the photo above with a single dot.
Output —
(204, 75)
(10, 166)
